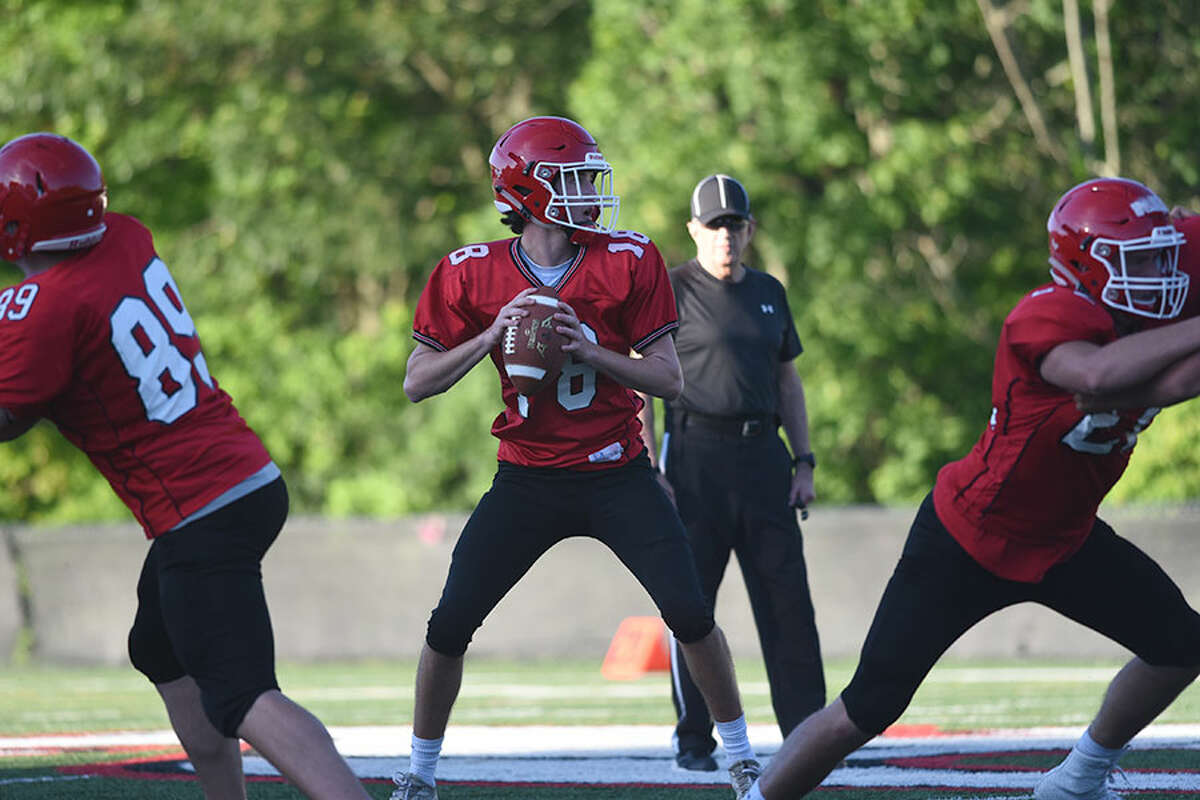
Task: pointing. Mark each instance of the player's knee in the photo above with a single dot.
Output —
(151, 654)
(447, 638)
(873, 704)
(1179, 647)
(871, 719)
(690, 627)
(227, 706)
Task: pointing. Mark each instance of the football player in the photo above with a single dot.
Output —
(571, 460)
(1015, 519)
(97, 340)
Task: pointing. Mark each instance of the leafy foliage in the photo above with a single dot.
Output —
(305, 163)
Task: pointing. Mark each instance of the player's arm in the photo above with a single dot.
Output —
(431, 371)
(646, 416)
(793, 411)
(1178, 382)
(657, 372)
(11, 427)
(649, 434)
(1089, 369)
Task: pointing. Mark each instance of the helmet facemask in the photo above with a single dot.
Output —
(1158, 296)
(581, 193)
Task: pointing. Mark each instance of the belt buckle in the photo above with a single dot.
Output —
(751, 427)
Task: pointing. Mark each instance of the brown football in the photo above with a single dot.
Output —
(532, 350)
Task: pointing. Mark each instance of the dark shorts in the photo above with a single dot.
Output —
(201, 608)
(938, 592)
(528, 510)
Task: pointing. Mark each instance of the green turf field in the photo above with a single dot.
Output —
(40, 699)
(957, 696)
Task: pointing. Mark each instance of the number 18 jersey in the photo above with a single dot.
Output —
(617, 285)
(102, 345)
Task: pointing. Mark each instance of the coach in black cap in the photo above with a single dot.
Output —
(735, 483)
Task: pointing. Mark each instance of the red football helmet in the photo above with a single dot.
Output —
(1095, 227)
(52, 196)
(549, 169)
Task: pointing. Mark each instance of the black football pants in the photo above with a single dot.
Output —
(201, 607)
(528, 510)
(938, 592)
(732, 493)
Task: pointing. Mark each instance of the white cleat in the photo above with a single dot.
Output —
(1060, 784)
(742, 775)
(410, 787)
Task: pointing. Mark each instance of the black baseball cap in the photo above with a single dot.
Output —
(719, 196)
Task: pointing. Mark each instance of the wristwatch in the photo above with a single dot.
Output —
(805, 458)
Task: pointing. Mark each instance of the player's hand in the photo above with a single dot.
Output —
(1179, 212)
(802, 493)
(577, 344)
(509, 314)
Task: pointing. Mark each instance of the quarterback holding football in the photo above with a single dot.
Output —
(571, 459)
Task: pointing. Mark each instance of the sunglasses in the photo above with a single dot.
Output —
(731, 222)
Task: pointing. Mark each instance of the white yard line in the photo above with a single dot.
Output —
(383, 740)
(621, 754)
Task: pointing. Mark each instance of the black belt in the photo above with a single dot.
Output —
(748, 426)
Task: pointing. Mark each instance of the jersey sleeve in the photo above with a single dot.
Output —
(37, 347)
(1049, 317)
(650, 312)
(442, 320)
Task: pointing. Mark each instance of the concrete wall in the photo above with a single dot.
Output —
(358, 588)
(10, 599)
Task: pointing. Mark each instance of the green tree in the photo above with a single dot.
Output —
(901, 190)
(303, 164)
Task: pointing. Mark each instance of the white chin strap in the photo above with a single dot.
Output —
(77, 242)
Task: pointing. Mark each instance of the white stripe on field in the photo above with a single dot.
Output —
(952, 675)
(642, 754)
(371, 740)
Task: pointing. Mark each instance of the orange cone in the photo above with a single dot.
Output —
(639, 646)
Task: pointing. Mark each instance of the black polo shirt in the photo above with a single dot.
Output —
(730, 341)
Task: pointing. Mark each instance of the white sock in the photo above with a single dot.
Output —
(755, 793)
(1089, 747)
(1087, 765)
(735, 739)
(425, 753)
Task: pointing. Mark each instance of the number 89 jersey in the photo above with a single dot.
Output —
(1026, 496)
(617, 285)
(102, 345)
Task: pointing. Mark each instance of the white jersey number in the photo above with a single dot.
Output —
(1080, 438)
(164, 375)
(621, 247)
(576, 385)
(15, 303)
(572, 395)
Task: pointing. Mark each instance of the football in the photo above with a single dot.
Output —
(532, 350)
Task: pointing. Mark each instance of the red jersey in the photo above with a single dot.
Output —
(1025, 497)
(102, 345)
(618, 286)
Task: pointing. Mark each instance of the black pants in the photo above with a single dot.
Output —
(732, 493)
(938, 592)
(201, 608)
(528, 510)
